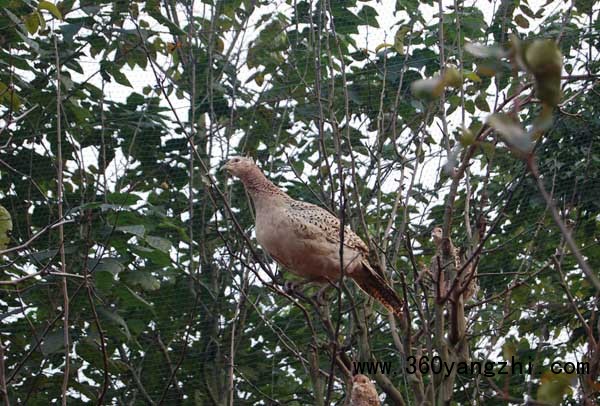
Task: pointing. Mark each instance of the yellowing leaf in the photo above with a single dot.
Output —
(472, 76)
(544, 60)
(46, 5)
(384, 45)
(452, 77)
(399, 39)
(484, 70)
(5, 228)
(509, 349)
(467, 138)
(483, 51)
(521, 21)
(512, 132)
(428, 88)
(31, 23)
(219, 45)
(553, 387)
(259, 79)
(543, 57)
(172, 46)
(9, 97)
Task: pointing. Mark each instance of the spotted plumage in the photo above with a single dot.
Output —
(468, 284)
(305, 238)
(363, 392)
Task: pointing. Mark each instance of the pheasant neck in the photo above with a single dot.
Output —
(258, 185)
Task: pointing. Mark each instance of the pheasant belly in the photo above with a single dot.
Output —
(315, 259)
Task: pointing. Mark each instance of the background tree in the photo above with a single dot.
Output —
(132, 274)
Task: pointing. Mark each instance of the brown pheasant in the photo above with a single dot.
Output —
(363, 392)
(467, 282)
(305, 239)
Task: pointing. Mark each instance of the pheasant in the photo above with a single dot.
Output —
(467, 282)
(363, 392)
(305, 238)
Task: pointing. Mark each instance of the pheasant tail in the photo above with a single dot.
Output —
(375, 286)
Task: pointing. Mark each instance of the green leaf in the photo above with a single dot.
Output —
(161, 244)
(115, 319)
(142, 279)
(53, 342)
(107, 265)
(91, 352)
(481, 102)
(120, 78)
(104, 281)
(137, 230)
(509, 349)
(369, 16)
(125, 199)
(46, 5)
(131, 298)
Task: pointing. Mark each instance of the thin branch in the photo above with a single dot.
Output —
(61, 232)
(585, 267)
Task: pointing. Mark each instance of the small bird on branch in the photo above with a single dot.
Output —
(305, 239)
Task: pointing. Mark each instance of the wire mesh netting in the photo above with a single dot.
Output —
(130, 269)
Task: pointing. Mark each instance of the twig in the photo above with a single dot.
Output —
(533, 168)
(3, 389)
(61, 233)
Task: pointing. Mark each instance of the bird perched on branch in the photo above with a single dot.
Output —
(305, 239)
(466, 283)
(363, 392)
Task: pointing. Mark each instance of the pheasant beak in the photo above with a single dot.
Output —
(225, 167)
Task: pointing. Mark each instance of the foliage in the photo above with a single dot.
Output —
(169, 296)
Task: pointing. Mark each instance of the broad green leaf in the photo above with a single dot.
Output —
(481, 102)
(107, 264)
(104, 281)
(161, 244)
(130, 297)
(126, 199)
(137, 230)
(53, 342)
(116, 319)
(141, 279)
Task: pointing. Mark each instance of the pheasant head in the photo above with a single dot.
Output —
(252, 177)
(436, 235)
(241, 167)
